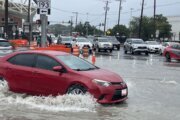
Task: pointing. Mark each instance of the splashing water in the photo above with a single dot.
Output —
(72, 103)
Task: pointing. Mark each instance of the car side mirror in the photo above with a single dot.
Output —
(58, 68)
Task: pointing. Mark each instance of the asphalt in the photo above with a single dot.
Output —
(153, 83)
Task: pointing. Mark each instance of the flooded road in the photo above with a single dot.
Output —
(154, 94)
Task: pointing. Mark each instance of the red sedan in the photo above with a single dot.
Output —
(53, 73)
(172, 52)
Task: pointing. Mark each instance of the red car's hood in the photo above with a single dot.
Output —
(102, 74)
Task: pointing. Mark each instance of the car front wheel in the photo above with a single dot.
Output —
(131, 51)
(76, 90)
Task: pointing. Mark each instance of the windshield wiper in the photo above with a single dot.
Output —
(85, 69)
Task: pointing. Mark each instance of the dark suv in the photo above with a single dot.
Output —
(135, 45)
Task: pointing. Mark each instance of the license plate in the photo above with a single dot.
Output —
(124, 92)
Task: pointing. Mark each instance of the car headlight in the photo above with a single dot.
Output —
(134, 46)
(102, 83)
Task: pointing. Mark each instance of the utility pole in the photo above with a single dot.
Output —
(43, 18)
(71, 25)
(119, 16)
(106, 9)
(131, 10)
(29, 21)
(6, 19)
(140, 23)
(76, 17)
(154, 19)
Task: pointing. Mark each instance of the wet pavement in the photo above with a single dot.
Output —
(153, 83)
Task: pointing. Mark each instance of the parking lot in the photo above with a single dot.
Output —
(153, 83)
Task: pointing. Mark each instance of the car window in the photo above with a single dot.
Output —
(23, 60)
(76, 63)
(45, 62)
(176, 46)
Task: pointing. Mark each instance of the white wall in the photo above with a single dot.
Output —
(175, 22)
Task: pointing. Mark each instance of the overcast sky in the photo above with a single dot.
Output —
(93, 10)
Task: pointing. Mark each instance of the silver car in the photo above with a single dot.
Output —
(5, 47)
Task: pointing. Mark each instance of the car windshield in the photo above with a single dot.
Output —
(103, 40)
(4, 44)
(113, 39)
(76, 63)
(152, 43)
(67, 39)
(137, 41)
(82, 40)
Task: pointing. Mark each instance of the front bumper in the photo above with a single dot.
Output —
(111, 94)
(140, 50)
(154, 49)
(116, 45)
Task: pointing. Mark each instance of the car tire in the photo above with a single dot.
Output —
(76, 90)
(168, 57)
(131, 51)
(147, 53)
(110, 51)
(99, 50)
(1, 78)
(125, 51)
(2, 81)
(118, 48)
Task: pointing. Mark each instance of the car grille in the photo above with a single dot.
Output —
(142, 47)
(117, 95)
(106, 45)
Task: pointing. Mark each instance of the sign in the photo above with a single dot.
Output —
(44, 4)
(43, 11)
(44, 7)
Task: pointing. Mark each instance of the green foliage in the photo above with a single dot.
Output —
(121, 29)
(86, 28)
(148, 27)
(57, 29)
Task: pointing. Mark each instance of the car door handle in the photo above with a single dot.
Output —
(8, 68)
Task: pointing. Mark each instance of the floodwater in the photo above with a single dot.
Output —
(154, 94)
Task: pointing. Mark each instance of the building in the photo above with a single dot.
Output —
(18, 12)
(175, 22)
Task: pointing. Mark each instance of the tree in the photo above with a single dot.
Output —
(86, 27)
(148, 27)
(58, 29)
(122, 30)
(163, 26)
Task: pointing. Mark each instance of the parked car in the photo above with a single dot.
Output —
(102, 43)
(65, 40)
(115, 42)
(5, 47)
(81, 42)
(164, 45)
(172, 52)
(153, 46)
(56, 73)
(135, 45)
